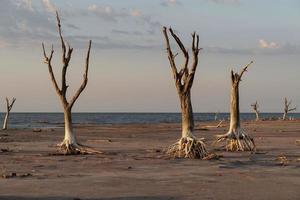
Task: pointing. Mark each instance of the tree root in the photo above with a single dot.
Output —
(239, 141)
(75, 149)
(187, 147)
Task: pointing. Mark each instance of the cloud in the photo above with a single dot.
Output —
(25, 4)
(49, 6)
(170, 3)
(122, 32)
(25, 25)
(107, 13)
(136, 13)
(264, 48)
(3, 44)
(265, 45)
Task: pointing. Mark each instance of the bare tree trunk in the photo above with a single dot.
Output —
(5, 121)
(8, 109)
(69, 144)
(188, 146)
(287, 108)
(234, 108)
(187, 116)
(236, 138)
(255, 109)
(69, 138)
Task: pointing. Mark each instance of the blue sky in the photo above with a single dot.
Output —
(129, 70)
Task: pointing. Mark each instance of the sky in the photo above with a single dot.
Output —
(129, 69)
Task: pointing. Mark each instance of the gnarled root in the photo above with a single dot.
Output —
(68, 148)
(239, 141)
(187, 147)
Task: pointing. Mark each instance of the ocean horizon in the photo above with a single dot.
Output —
(56, 119)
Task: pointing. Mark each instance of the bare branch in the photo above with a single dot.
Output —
(244, 70)
(85, 77)
(170, 53)
(195, 49)
(9, 105)
(178, 41)
(63, 45)
(48, 61)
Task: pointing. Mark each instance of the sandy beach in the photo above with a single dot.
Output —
(134, 167)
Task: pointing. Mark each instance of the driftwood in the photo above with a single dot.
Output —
(255, 107)
(69, 144)
(287, 108)
(9, 106)
(236, 138)
(219, 125)
(188, 146)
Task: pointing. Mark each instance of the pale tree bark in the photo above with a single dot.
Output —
(9, 106)
(255, 107)
(287, 108)
(188, 146)
(69, 144)
(236, 138)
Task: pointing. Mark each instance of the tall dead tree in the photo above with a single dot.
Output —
(69, 144)
(188, 146)
(255, 107)
(236, 138)
(287, 109)
(9, 106)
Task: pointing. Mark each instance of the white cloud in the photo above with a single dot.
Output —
(49, 6)
(263, 44)
(3, 44)
(136, 13)
(107, 13)
(25, 4)
(170, 2)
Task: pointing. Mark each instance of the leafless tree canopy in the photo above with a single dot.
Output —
(287, 108)
(185, 76)
(66, 57)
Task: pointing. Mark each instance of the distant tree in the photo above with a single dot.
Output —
(9, 106)
(69, 144)
(287, 108)
(255, 107)
(236, 138)
(188, 146)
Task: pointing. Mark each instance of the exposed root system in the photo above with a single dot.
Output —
(239, 141)
(188, 147)
(74, 149)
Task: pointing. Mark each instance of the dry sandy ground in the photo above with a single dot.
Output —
(134, 168)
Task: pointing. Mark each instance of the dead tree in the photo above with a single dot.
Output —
(287, 109)
(69, 144)
(188, 146)
(236, 138)
(255, 107)
(8, 109)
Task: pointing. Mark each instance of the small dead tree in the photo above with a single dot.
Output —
(9, 106)
(287, 109)
(236, 138)
(69, 144)
(188, 146)
(255, 107)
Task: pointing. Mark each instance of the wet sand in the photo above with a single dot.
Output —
(133, 166)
